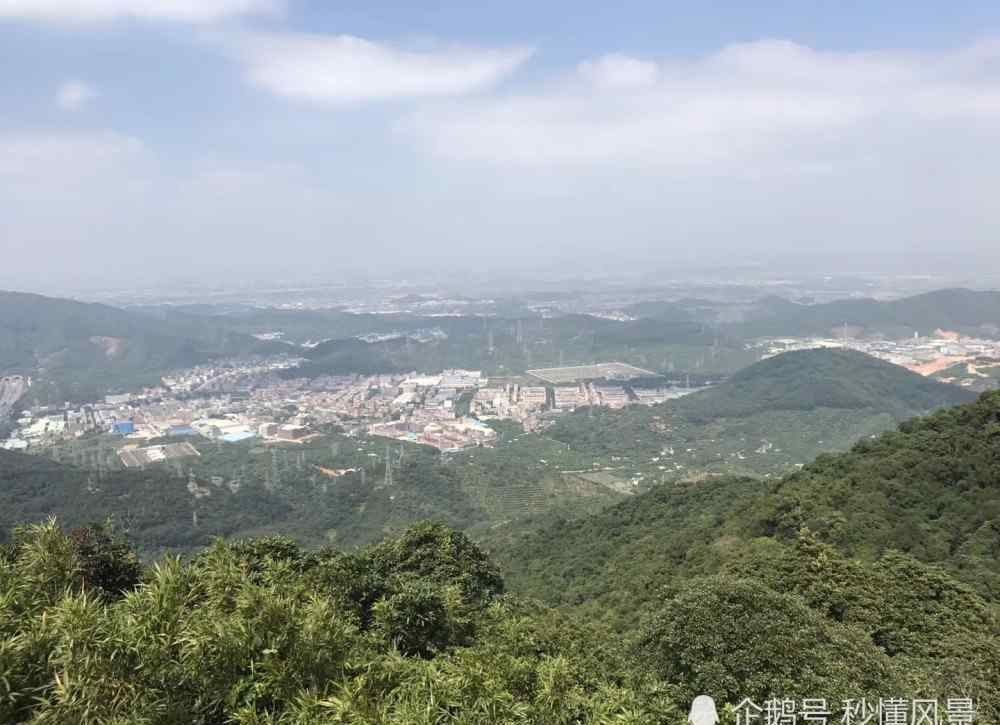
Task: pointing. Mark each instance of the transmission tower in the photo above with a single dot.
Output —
(275, 474)
(388, 467)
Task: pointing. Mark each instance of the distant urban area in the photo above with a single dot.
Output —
(237, 400)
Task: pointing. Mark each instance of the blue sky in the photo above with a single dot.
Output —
(171, 140)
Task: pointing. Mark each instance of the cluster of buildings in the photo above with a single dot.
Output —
(46, 425)
(452, 434)
(430, 409)
(228, 376)
(512, 401)
(240, 400)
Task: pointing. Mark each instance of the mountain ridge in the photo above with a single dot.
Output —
(821, 378)
(80, 350)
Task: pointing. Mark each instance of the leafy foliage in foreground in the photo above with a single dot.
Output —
(413, 630)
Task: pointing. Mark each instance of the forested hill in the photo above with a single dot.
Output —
(896, 543)
(804, 380)
(81, 350)
(178, 509)
(778, 413)
(968, 311)
(930, 489)
(155, 506)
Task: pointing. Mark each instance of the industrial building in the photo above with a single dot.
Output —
(141, 457)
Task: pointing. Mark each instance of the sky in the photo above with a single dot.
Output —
(176, 141)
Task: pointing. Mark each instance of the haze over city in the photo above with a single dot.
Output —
(250, 139)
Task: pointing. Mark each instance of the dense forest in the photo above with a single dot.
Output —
(419, 629)
(248, 489)
(413, 630)
(929, 489)
(894, 545)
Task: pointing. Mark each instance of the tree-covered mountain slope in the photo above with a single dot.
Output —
(931, 489)
(155, 506)
(888, 554)
(963, 310)
(804, 380)
(327, 490)
(241, 490)
(78, 351)
(767, 418)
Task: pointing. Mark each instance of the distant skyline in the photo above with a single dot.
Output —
(152, 141)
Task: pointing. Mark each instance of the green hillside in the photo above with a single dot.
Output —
(930, 489)
(248, 489)
(804, 380)
(765, 419)
(242, 490)
(80, 351)
(968, 311)
(867, 572)
(500, 344)
(155, 505)
(84, 349)
(898, 538)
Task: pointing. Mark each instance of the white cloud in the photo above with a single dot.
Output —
(754, 106)
(344, 69)
(620, 71)
(74, 95)
(83, 11)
